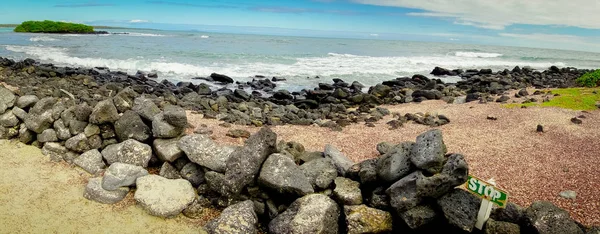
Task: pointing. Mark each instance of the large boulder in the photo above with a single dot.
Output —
(454, 173)
(121, 175)
(320, 172)
(428, 151)
(395, 163)
(221, 78)
(363, 219)
(163, 197)
(340, 161)
(131, 126)
(7, 97)
(279, 173)
(95, 192)
(104, 112)
(403, 194)
(545, 218)
(145, 108)
(175, 116)
(460, 208)
(347, 191)
(244, 163)
(204, 151)
(163, 129)
(314, 213)
(91, 161)
(130, 152)
(124, 99)
(239, 218)
(40, 115)
(167, 149)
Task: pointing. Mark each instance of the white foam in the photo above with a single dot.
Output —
(134, 34)
(42, 38)
(204, 36)
(476, 54)
(369, 70)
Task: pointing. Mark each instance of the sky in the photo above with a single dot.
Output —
(557, 24)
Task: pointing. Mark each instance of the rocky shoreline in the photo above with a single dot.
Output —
(259, 102)
(118, 127)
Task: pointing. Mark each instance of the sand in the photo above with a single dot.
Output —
(530, 166)
(40, 196)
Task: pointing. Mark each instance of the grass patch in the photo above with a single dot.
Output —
(570, 98)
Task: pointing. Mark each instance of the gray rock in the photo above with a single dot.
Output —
(9, 120)
(454, 173)
(279, 173)
(205, 152)
(347, 191)
(95, 142)
(428, 151)
(568, 194)
(499, 227)
(214, 180)
(7, 97)
(197, 210)
(163, 197)
(3, 107)
(131, 126)
(91, 161)
(104, 112)
(169, 171)
(363, 219)
(78, 143)
(419, 216)
(175, 115)
(512, 213)
(62, 132)
(314, 213)
(396, 163)
(124, 99)
(48, 135)
(239, 218)
(340, 161)
(77, 127)
(91, 130)
(121, 175)
(545, 218)
(70, 156)
(25, 135)
(368, 171)
(43, 105)
(384, 147)
(162, 129)
(38, 122)
(95, 192)
(20, 113)
(320, 172)
(167, 149)
(54, 150)
(193, 173)
(460, 208)
(59, 107)
(145, 108)
(130, 152)
(238, 133)
(403, 194)
(244, 163)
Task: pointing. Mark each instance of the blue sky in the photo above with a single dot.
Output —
(560, 24)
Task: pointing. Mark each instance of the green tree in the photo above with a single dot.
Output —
(48, 26)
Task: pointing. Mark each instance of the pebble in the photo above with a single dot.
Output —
(568, 194)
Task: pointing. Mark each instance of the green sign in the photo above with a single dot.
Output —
(486, 191)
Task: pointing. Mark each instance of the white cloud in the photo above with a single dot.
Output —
(497, 14)
(138, 21)
(560, 41)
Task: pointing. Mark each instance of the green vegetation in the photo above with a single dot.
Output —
(571, 98)
(590, 79)
(48, 26)
(8, 25)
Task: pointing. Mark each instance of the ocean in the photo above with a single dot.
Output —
(182, 55)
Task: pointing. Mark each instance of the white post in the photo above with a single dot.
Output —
(484, 210)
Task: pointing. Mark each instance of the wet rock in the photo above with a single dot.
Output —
(91, 161)
(121, 175)
(104, 112)
(192, 173)
(145, 108)
(320, 172)
(239, 218)
(95, 192)
(280, 174)
(363, 219)
(314, 213)
(403, 194)
(175, 116)
(460, 208)
(221, 78)
(202, 150)
(162, 129)
(575, 120)
(347, 191)
(540, 128)
(163, 197)
(544, 217)
(428, 151)
(130, 152)
(340, 161)
(167, 149)
(131, 126)
(396, 163)
(78, 143)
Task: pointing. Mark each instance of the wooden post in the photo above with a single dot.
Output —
(485, 209)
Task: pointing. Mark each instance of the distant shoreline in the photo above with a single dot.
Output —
(95, 27)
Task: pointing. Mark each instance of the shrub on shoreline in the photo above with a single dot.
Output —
(590, 79)
(48, 26)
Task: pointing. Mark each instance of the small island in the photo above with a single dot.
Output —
(48, 26)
